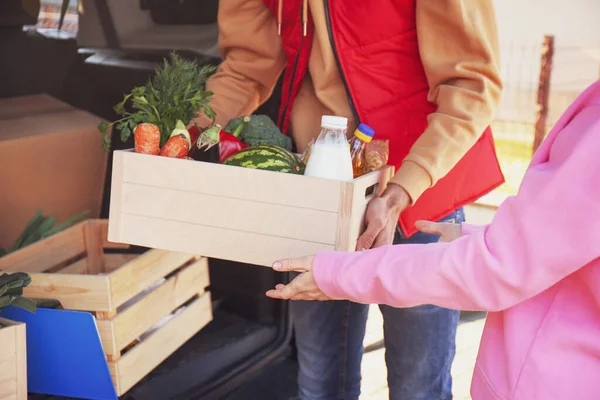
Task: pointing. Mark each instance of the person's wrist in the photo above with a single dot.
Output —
(396, 197)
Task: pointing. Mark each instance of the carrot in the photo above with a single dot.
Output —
(176, 147)
(147, 139)
(179, 142)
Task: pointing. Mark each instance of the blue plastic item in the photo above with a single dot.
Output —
(64, 354)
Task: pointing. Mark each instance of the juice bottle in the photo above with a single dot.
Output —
(363, 135)
(330, 154)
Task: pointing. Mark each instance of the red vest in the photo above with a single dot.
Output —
(376, 47)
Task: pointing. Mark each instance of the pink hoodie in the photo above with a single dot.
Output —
(535, 268)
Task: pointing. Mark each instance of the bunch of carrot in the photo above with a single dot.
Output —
(147, 140)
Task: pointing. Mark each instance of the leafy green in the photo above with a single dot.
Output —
(259, 130)
(40, 227)
(175, 92)
(11, 291)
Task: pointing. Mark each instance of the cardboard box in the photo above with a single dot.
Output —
(51, 158)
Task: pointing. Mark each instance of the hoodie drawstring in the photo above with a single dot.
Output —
(304, 16)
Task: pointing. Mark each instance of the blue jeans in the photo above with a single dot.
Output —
(419, 343)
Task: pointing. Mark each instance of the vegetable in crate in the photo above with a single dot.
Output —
(11, 292)
(147, 138)
(267, 157)
(40, 227)
(259, 130)
(205, 147)
(229, 143)
(175, 92)
(178, 144)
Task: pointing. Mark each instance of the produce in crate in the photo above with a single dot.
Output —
(229, 143)
(175, 92)
(178, 144)
(11, 292)
(41, 227)
(259, 130)
(268, 157)
(146, 138)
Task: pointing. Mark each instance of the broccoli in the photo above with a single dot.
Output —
(259, 130)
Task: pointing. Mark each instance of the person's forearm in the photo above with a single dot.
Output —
(253, 60)
(537, 238)
(459, 48)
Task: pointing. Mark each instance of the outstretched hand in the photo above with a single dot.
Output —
(302, 287)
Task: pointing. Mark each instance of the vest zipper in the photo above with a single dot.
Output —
(294, 68)
(337, 61)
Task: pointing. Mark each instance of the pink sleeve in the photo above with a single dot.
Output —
(546, 232)
(468, 229)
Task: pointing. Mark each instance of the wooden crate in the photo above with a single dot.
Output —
(130, 295)
(13, 361)
(233, 213)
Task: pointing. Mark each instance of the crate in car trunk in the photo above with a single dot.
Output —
(146, 306)
(233, 213)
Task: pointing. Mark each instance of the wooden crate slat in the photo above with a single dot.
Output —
(46, 254)
(141, 316)
(13, 361)
(75, 292)
(148, 354)
(228, 213)
(21, 343)
(214, 242)
(353, 206)
(143, 271)
(78, 267)
(8, 378)
(112, 261)
(93, 245)
(108, 337)
(226, 181)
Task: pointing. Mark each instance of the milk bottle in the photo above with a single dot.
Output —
(330, 154)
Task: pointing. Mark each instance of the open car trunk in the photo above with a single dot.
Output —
(118, 46)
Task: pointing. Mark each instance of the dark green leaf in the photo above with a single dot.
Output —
(139, 91)
(24, 303)
(106, 142)
(120, 107)
(67, 223)
(3, 252)
(103, 127)
(125, 133)
(30, 229)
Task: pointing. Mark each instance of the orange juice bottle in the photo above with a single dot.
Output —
(363, 135)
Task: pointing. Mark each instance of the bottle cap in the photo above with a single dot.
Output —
(333, 122)
(364, 132)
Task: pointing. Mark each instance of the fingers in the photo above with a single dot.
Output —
(286, 292)
(294, 264)
(385, 237)
(429, 227)
(366, 240)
